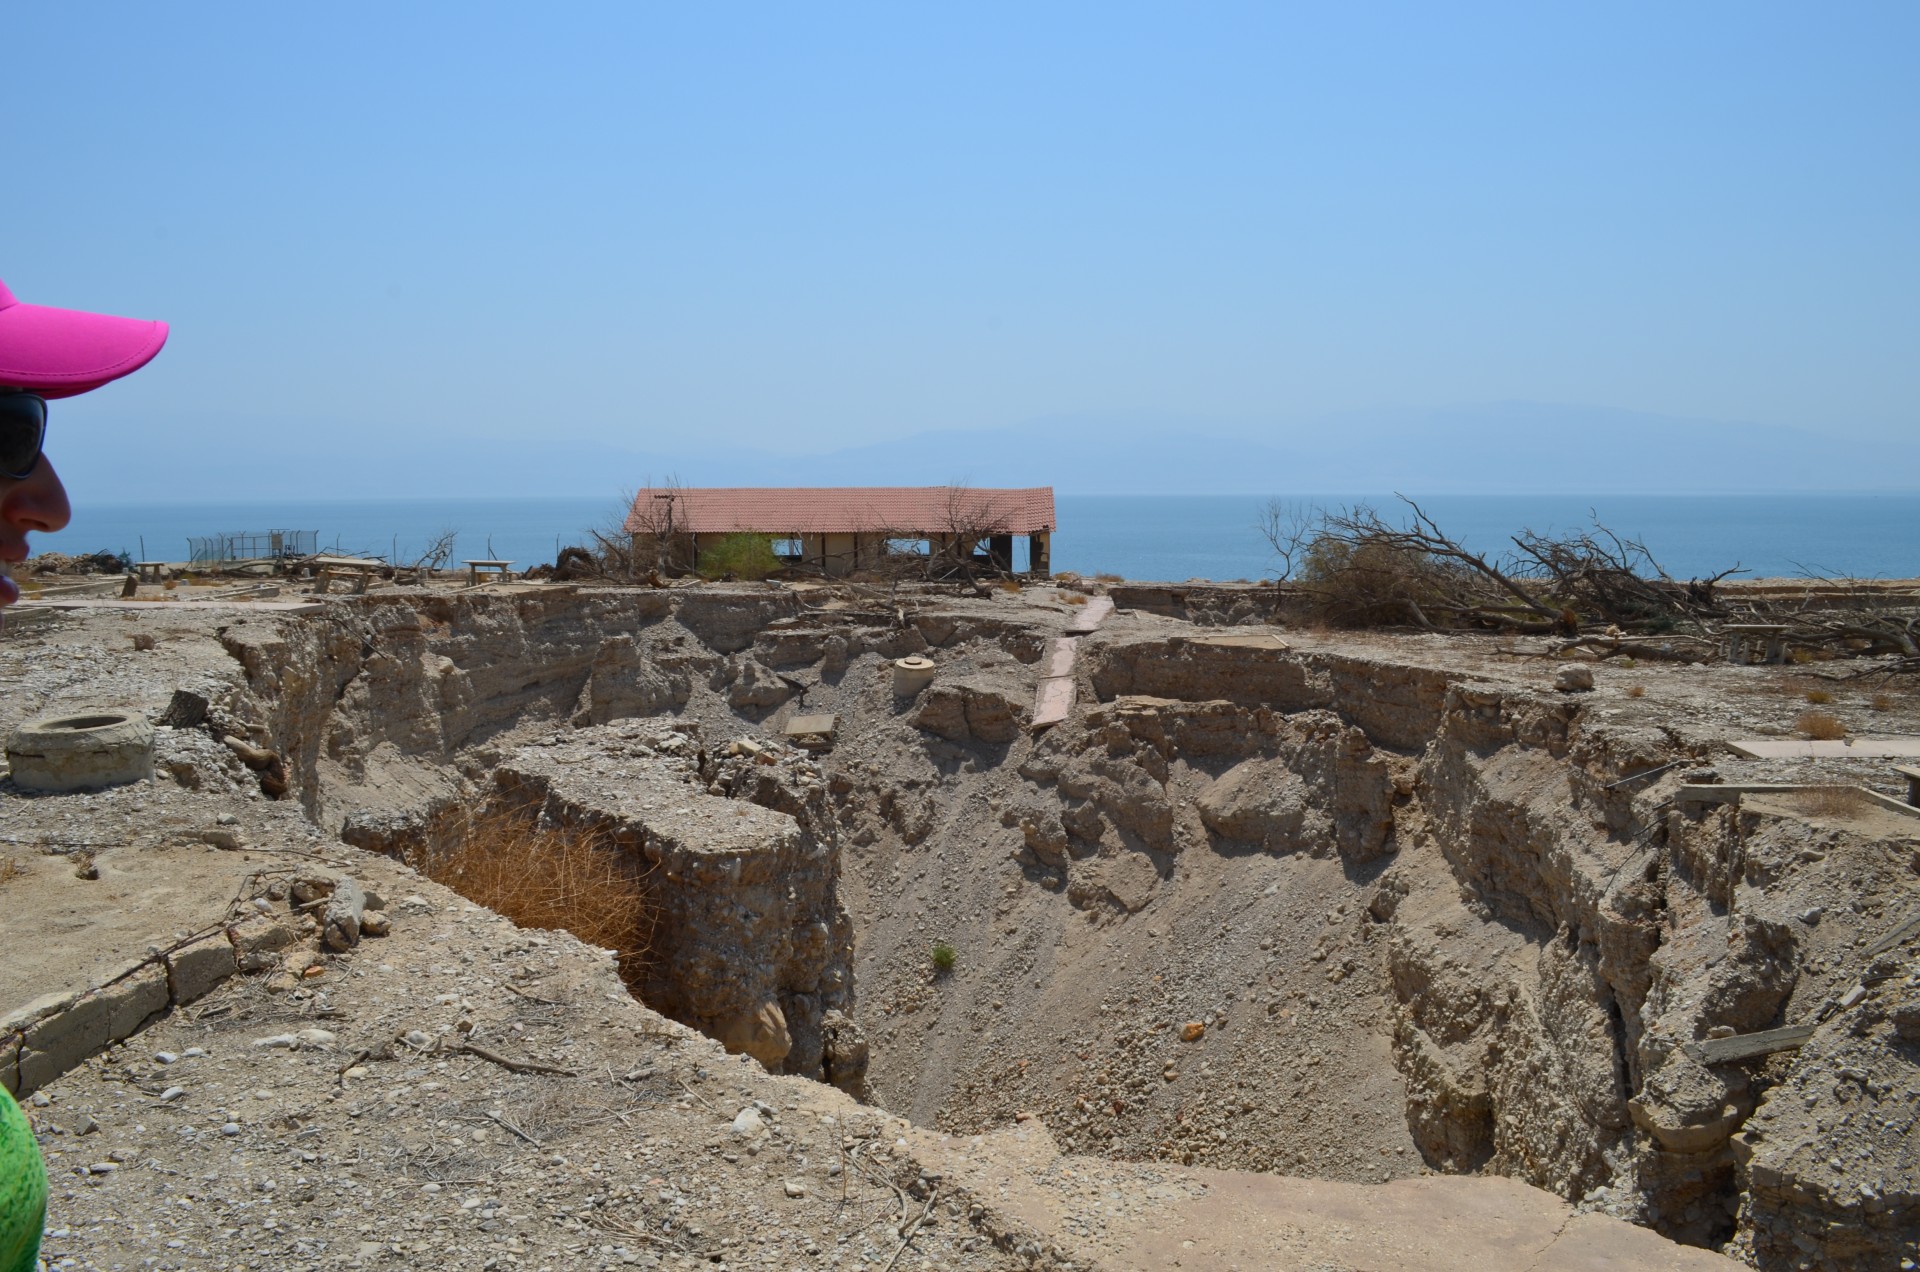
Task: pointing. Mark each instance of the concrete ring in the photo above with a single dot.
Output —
(80, 750)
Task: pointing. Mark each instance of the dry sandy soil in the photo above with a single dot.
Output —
(1331, 951)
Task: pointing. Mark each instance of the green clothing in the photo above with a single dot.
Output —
(23, 1190)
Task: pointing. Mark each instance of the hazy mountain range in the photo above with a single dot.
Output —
(1505, 448)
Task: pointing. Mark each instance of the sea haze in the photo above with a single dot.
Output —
(1505, 448)
(1139, 536)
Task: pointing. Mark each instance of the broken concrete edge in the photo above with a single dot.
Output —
(56, 1032)
(1730, 793)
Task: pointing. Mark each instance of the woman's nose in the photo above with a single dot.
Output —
(38, 503)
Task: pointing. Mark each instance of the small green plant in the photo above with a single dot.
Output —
(741, 556)
(944, 957)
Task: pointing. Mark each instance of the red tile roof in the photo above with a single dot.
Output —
(897, 510)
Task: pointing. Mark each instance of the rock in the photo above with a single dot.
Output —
(1261, 802)
(1192, 1031)
(961, 711)
(184, 711)
(375, 923)
(1906, 1019)
(1574, 679)
(760, 1033)
(340, 922)
(257, 942)
(796, 1189)
(748, 1122)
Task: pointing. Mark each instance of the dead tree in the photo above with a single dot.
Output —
(655, 513)
(1289, 530)
(1354, 567)
(436, 555)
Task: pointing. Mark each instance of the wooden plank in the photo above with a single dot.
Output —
(1747, 1046)
(1901, 931)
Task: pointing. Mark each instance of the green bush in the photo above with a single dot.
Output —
(944, 956)
(743, 556)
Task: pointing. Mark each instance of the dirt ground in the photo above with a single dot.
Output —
(1347, 953)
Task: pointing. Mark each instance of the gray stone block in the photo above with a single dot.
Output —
(58, 1042)
(134, 1001)
(194, 969)
(10, 1064)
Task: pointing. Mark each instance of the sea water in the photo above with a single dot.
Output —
(1170, 537)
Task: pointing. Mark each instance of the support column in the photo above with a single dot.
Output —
(1040, 554)
(1000, 551)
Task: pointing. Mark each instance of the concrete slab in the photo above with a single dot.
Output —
(1059, 661)
(1089, 616)
(1843, 748)
(1053, 701)
(1243, 640)
(88, 931)
(198, 607)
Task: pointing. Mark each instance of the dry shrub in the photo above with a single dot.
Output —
(10, 869)
(1636, 691)
(1881, 702)
(1009, 585)
(1110, 578)
(1375, 584)
(1073, 598)
(543, 876)
(1832, 801)
(1819, 697)
(1820, 725)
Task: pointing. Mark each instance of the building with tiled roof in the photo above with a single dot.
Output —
(841, 529)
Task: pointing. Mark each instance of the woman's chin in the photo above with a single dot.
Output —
(9, 590)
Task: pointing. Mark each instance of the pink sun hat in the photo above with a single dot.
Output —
(60, 352)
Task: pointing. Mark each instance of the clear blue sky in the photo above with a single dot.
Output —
(812, 225)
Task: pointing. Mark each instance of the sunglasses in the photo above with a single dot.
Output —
(23, 427)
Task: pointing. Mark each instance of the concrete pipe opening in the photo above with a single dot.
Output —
(84, 750)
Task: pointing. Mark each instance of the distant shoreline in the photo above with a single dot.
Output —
(1149, 538)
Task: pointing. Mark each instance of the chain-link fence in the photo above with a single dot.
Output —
(264, 545)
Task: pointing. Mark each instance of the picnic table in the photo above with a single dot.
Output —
(1770, 636)
(151, 571)
(501, 570)
(355, 572)
(1912, 774)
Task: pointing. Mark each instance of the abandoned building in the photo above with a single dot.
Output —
(843, 529)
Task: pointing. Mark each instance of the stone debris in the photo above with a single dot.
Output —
(1349, 908)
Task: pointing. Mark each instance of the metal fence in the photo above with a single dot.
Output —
(264, 545)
